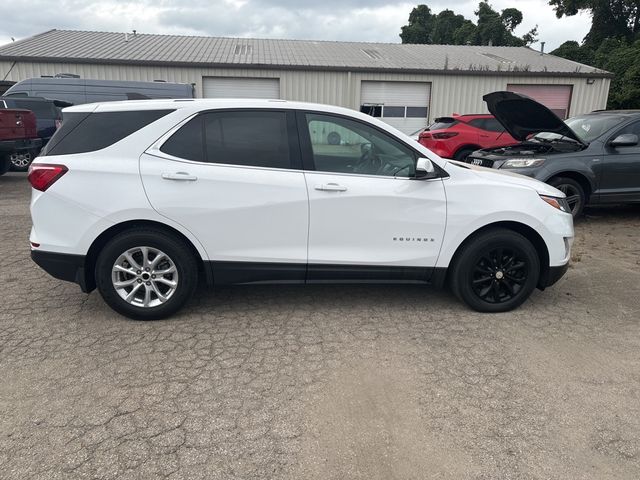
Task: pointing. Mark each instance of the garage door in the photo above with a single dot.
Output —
(404, 105)
(555, 97)
(231, 87)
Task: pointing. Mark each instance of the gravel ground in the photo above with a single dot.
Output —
(328, 382)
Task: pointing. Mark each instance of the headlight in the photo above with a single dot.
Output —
(523, 162)
(559, 203)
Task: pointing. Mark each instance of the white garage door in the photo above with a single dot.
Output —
(404, 105)
(555, 97)
(232, 87)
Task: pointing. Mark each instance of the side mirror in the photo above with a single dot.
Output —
(624, 140)
(425, 169)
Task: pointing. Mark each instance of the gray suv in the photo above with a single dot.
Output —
(594, 158)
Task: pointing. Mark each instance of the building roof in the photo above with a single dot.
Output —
(177, 50)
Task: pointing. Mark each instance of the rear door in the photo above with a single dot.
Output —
(368, 218)
(232, 178)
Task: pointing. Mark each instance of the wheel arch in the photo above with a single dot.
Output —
(525, 230)
(102, 239)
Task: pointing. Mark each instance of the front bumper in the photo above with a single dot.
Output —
(64, 266)
(552, 275)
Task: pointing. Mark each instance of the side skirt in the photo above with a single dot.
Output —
(241, 273)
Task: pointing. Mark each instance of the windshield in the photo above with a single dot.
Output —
(590, 127)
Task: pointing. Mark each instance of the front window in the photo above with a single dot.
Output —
(344, 146)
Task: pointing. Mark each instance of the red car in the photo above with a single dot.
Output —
(459, 135)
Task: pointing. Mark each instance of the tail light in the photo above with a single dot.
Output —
(444, 135)
(42, 175)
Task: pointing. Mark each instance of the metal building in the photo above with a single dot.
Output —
(406, 85)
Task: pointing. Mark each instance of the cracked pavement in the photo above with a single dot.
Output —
(324, 382)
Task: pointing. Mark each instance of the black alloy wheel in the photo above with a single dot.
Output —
(499, 275)
(495, 270)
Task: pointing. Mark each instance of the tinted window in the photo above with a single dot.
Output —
(478, 123)
(40, 109)
(187, 142)
(249, 138)
(344, 146)
(442, 123)
(633, 128)
(88, 132)
(493, 125)
(257, 139)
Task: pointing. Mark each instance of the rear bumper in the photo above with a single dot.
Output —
(9, 146)
(63, 266)
(552, 275)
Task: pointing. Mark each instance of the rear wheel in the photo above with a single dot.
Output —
(146, 274)
(462, 154)
(20, 161)
(576, 197)
(495, 271)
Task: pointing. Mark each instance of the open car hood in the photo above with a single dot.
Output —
(522, 116)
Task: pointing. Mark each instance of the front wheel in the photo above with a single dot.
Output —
(495, 271)
(146, 274)
(576, 198)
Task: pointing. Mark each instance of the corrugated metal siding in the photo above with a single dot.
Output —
(449, 93)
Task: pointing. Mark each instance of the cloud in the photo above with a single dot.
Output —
(343, 20)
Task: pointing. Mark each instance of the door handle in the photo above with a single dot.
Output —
(331, 187)
(184, 176)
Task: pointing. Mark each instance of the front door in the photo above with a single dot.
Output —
(369, 219)
(620, 181)
(232, 178)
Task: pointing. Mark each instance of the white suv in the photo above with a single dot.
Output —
(141, 199)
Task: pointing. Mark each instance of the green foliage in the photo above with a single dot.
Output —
(611, 18)
(612, 44)
(447, 27)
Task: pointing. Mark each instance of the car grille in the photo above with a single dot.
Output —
(481, 162)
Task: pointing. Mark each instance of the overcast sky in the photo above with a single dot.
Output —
(357, 20)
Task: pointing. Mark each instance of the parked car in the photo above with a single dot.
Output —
(81, 90)
(17, 135)
(594, 158)
(459, 135)
(137, 198)
(48, 118)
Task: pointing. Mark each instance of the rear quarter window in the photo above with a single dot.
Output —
(88, 132)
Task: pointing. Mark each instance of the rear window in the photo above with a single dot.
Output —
(443, 123)
(88, 132)
(247, 138)
(40, 109)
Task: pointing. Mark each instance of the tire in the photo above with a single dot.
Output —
(574, 192)
(20, 161)
(5, 164)
(462, 154)
(487, 259)
(126, 251)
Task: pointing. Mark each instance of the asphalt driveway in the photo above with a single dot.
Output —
(332, 382)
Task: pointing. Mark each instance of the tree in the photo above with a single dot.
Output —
(420, 26)
(447, 27)
(611, 18)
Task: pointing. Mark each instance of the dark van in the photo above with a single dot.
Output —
(80, 90)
